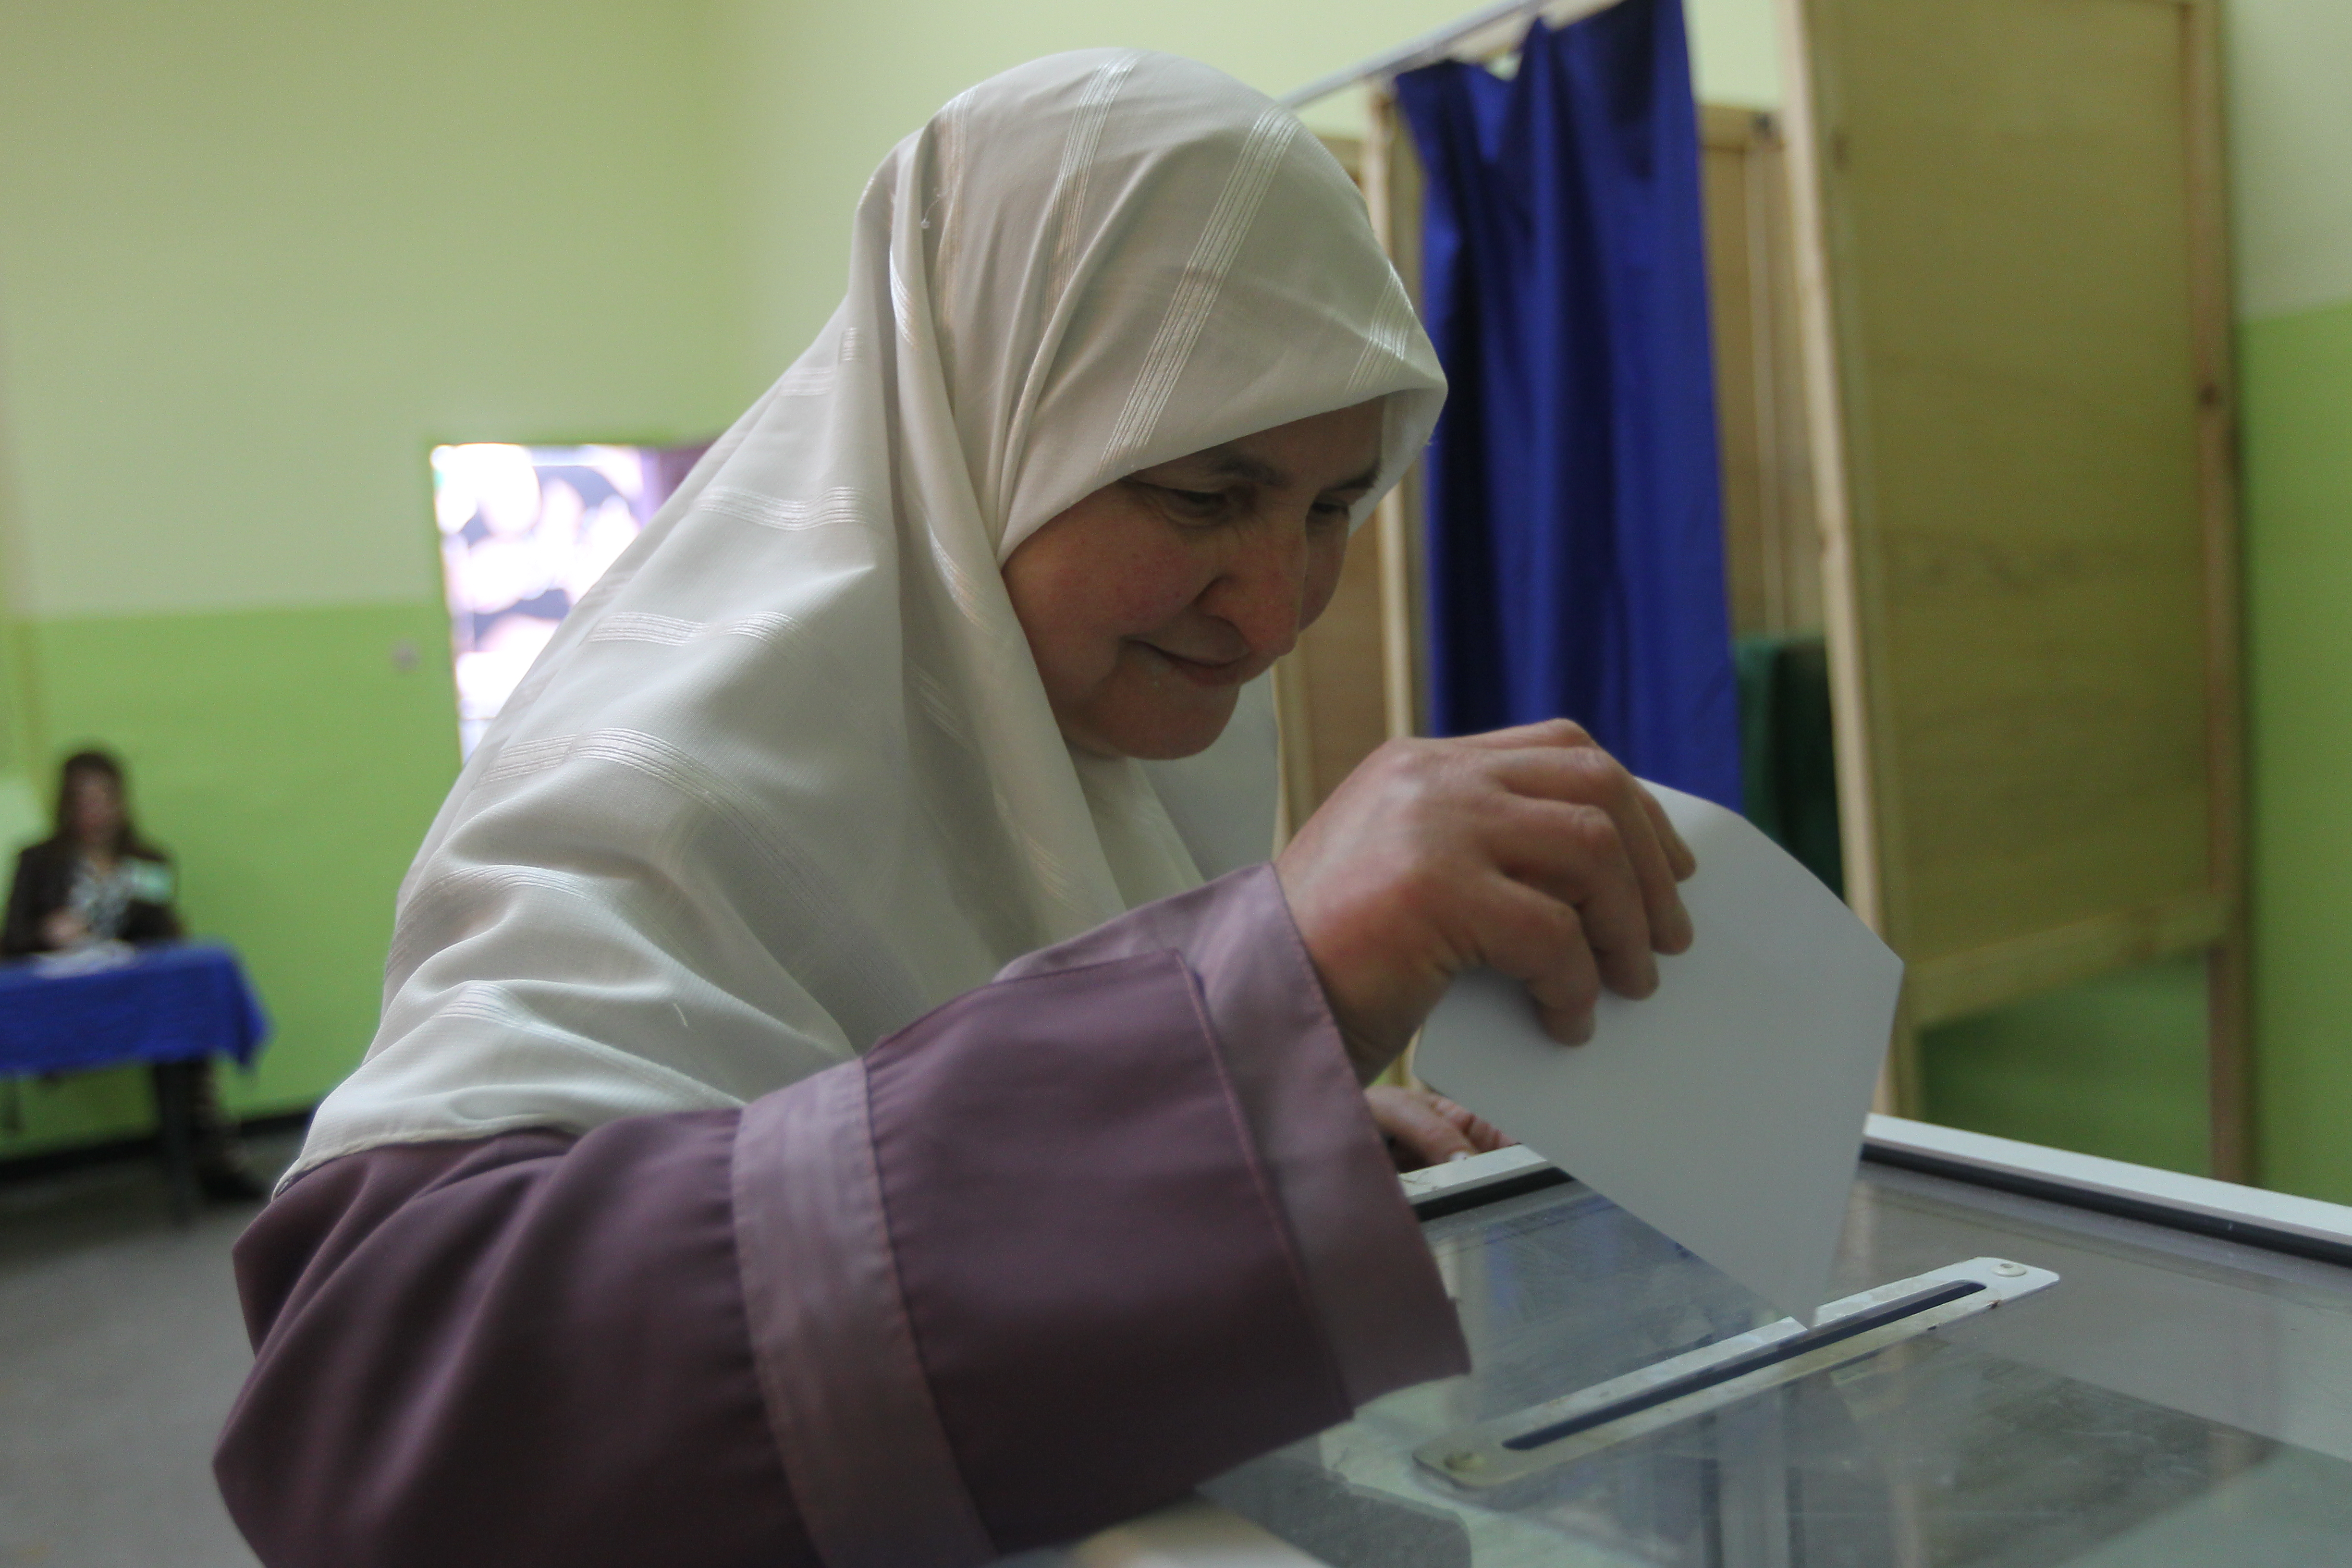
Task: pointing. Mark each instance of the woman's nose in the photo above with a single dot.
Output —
(1263, 589)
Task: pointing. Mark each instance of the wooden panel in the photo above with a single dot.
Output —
(1726, 149)
(2009, 186)
(1772, 540)
(1338, 670)
(2228, 983)
(2011, 209)
(1331, 693)
(1392, 194)
(2025, 470)
(1960, 984)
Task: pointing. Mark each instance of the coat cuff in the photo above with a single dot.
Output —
(1377, 1290)
(848, 1401)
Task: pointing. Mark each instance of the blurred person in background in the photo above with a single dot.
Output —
(93, 879)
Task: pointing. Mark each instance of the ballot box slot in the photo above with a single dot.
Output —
(1740, 1366)
(1494, 1459)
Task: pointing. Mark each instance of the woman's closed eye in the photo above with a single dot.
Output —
(1193, 506)
(1210, 507)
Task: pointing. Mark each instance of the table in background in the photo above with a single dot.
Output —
(170, 1003)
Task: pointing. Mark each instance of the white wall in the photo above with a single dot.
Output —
(817, 94)
(2290, 84)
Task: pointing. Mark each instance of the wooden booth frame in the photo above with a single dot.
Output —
(2135, 715)
(2123, 915)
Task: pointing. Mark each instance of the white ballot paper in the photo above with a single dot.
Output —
(1726, 1110)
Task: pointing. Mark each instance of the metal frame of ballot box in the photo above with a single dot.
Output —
(2276, 1222)
(2166, 1381)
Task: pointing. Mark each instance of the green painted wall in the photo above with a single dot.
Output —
(2297, 372)
(20, 814)
(291, 766)
(2114, 1068)
(2291, 122)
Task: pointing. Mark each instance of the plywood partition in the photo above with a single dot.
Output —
(1771, 534)
(1355, 678)
(1392, 189)
(2011, 284)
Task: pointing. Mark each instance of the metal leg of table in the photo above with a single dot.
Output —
(175, 1107)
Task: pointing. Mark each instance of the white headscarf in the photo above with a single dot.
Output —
(787, 778)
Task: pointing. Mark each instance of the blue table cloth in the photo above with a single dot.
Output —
(170, 1003)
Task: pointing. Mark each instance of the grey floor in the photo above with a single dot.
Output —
(121, 1349)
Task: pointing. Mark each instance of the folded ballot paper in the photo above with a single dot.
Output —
(1726, 1110)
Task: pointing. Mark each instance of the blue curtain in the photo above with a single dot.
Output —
(1575, 506)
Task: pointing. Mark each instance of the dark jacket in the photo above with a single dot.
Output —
(45, 873)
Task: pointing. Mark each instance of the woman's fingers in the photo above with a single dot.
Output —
(1678, 854)
(1421, 1133)
(1585, 775)
(1484, 1135)
(1578, 854)
(1540, 942)
(1566, 735)
(1428, 1129)
(1553, 732)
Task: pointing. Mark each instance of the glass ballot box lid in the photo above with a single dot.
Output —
(2179, 1392)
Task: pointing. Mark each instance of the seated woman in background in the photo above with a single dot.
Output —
(851, 1088)
(94, 880)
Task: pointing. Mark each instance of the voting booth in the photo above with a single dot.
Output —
(1969, 294)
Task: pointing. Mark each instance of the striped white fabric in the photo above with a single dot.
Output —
(787, 777)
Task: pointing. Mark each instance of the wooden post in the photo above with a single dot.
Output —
(1391, 195)
(2228, 970)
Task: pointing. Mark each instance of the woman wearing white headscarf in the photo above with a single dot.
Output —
(824, 1110)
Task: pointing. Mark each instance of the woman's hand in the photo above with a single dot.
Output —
(1425, 1129)
(1529, 851)
(63, 929)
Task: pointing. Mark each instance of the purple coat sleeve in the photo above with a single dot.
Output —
(1050, 1256)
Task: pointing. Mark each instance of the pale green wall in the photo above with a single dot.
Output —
(2113, 1068)
(2297, 372)
(254, 257)
(19, 812)
(2290, 82)
(2291, 75)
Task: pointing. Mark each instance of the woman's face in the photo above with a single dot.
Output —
(1149, 603)
(95, 806)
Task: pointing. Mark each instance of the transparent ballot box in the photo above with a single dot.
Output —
(2033, 1366)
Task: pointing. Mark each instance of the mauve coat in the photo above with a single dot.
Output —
(1047, 1257)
